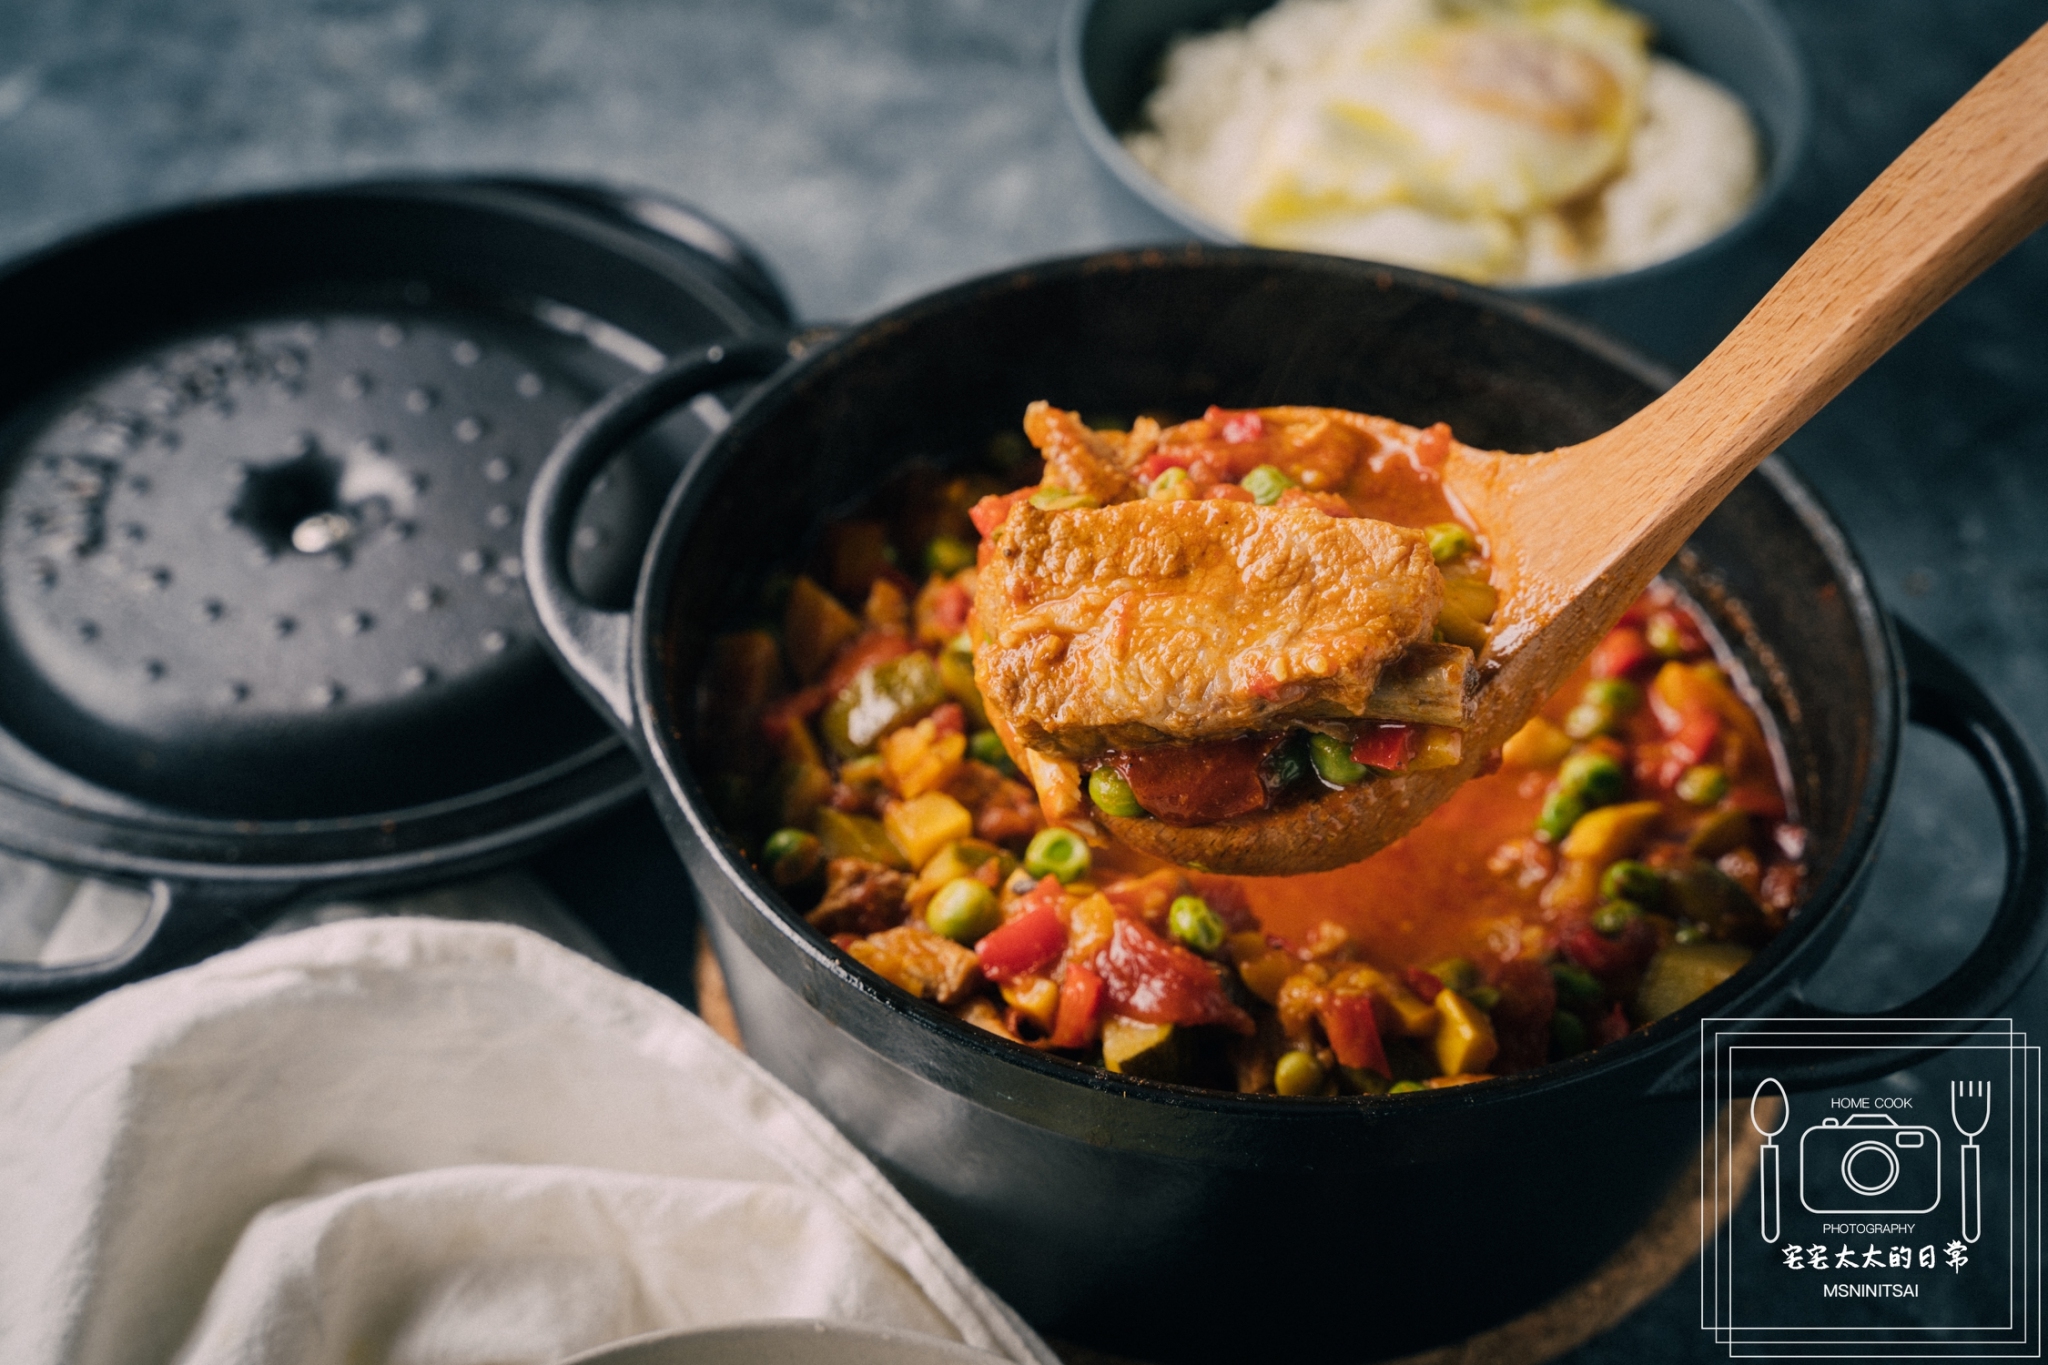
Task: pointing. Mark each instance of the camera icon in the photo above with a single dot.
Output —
(1869, 1163)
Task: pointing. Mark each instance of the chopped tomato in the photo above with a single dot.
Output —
(1155, 465)
(1433, 446)
(1199, 784)
(1621, 653)
(1031, 942)
(993, 510)
(1236, 428)
(1389, 746)
(1157, 982)
(1230, 492)
(1080, 1010)
(949, 718)
(1353, 1031)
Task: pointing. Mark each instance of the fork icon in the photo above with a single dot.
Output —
(1972, 1099)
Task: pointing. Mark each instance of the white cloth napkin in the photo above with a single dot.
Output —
(417, 1141)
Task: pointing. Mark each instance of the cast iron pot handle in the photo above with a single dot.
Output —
(181, 922)
(595, 644)
(1947, 700)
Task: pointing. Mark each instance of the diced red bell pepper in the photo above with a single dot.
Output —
(1621, 653)
(1230, 492)
(1236, 428)
(949, 608)
(1617, 961)
(1199, 784)
(1157, 982)
(993, 510)
(1047, 892)
(1080, 1011)
(1031, 942)
(1353, 1031)
(1389, 745)
(1424, 984)
(949, 718)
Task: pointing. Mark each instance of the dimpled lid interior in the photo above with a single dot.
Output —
(272, 571)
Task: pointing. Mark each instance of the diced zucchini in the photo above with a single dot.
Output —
(1426, 685)
(925, 824)
(1682, 973)
(856, 836)
(880, 699)
(1153, 1051)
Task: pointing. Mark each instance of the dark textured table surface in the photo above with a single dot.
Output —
(873, 149)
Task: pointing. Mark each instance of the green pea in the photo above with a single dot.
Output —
(1567, 1034)
(1629, 880)
(1405, 1087)
(1662, 634)
(1060, 500)
(1333, 762)
(1190, 920)
(1172, 485)
(1298, 1073)
(1595, 778)
(1486, 997)
(1588, 719)
(792, 856)
(1702, 785)
(1614, 918)
(1266, 484)
(1561, 810)
(1575, 985)
(1112, 795)
(1057, 853)
(984, 747)
(1616, 694)
(963, 910)
(947, 555)
(1449, 541)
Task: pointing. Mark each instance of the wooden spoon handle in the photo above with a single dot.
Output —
(1590, 525)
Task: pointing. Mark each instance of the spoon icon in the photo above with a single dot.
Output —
(1767, 1159)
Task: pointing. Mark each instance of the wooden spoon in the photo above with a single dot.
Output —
(1576, 534)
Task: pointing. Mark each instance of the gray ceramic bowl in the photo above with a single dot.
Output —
(1110, 55)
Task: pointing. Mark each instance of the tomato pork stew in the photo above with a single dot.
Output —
(1626, 851)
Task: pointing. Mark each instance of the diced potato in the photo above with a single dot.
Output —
(1441, 747)
(1682, 973)
(983, 1014)
(814, 626)
(1464, 1035)
(1612, 832)
(1537, 744)
(1575, 887)
(856, 836)
(963, 859)
(1035, 997)
(925, 824)
(920, 759)
(1131, 1048)
(1089, 927)
(918, 960)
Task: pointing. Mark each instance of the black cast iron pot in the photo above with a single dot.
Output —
(1171, 1222)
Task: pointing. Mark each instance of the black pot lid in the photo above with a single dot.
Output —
(258, 553)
